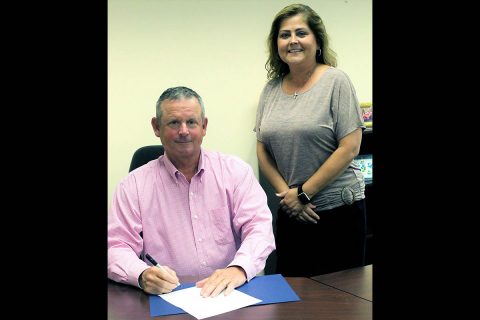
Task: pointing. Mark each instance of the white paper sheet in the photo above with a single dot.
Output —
(192, 302)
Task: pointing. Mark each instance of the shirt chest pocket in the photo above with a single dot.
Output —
(221, 225)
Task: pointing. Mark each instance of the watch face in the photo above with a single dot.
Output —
(303, 198)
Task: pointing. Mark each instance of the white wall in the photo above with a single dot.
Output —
(218, 48)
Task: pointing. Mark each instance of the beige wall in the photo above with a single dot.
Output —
(217, 48)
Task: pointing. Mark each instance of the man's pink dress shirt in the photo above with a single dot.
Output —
(220, 218)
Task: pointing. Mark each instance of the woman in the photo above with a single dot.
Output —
(309, 129)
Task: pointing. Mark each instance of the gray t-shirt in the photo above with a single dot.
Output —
(300, 134)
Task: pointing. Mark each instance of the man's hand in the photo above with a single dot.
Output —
(157, 281)
(228, 278)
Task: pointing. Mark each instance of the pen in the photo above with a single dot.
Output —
(156, 264)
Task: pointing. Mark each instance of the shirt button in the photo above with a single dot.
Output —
(199, 239)
(195, 216)
(204, 263)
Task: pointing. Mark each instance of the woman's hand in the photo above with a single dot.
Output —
(294, 208)
(308, 215)
(290, 203)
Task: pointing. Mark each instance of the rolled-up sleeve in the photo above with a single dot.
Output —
(124, 241)
(252, 222)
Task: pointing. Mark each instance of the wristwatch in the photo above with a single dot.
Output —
(302, 196)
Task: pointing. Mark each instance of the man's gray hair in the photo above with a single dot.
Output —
(177, 93)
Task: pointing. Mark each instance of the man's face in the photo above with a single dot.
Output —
(181, 128)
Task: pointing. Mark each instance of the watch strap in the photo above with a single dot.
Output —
(302, 196)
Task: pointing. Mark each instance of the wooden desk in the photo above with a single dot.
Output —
(356, 281)
(318, 302)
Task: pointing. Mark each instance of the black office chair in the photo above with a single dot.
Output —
(145, 154)
(141, 157)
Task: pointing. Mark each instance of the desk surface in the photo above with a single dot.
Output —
(319, 301)
(356, 281)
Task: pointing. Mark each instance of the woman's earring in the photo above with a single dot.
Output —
(319, 51)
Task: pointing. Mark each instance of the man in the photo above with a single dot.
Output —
(202, 215)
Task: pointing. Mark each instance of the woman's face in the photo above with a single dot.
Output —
(296, 42)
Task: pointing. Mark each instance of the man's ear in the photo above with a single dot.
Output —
(155, 126)
(204, 125)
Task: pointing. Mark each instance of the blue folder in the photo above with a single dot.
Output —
(270, 289)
